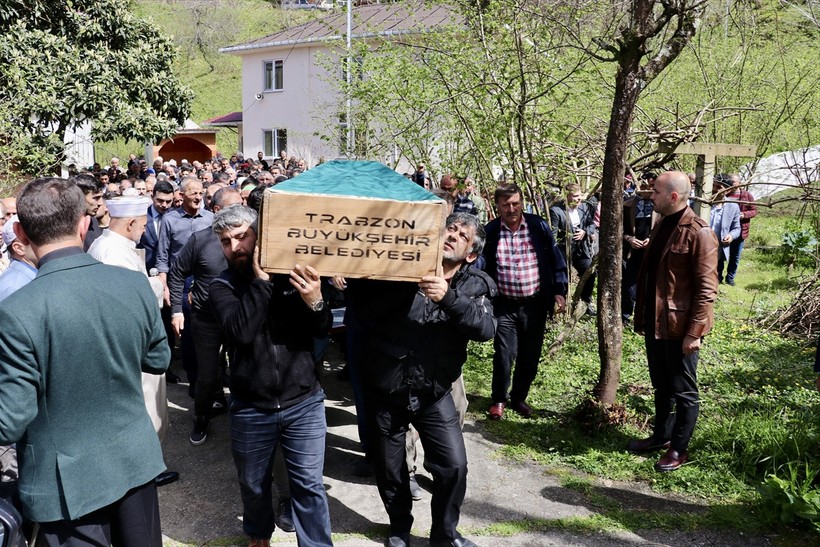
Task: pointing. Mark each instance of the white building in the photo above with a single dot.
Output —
(291, 97)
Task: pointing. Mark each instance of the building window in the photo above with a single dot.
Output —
(274, 75)
(274, 141)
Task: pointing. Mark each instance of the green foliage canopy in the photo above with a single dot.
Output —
(67, 62)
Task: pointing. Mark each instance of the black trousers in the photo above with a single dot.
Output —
(165, 313)
(207, 339)
(581, 265)
(444, 457)
(674, 378)
(187, 343)
(131, 521)
(629, 282)
(519, 338)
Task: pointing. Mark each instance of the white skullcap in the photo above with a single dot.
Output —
(8, 230)
(172, 162)
(128, 207)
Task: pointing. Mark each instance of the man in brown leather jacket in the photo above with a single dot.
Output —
(680, 267)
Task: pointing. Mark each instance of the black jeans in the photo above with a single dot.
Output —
(444, 457)
(519, 338)
(674, 378)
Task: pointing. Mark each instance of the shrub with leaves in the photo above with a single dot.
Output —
(793, 498)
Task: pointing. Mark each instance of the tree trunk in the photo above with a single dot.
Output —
(610, 326)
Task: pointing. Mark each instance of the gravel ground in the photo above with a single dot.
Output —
(204, 507)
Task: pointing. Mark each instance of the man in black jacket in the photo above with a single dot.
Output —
(573, 225)
(202, 258)
(522, 258)
(269, 322)
(415, 343)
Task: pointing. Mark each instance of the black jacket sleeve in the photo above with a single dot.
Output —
(240, 317)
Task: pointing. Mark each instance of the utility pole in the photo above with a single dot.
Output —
(349, 77)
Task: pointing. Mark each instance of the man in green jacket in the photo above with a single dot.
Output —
(70, 390)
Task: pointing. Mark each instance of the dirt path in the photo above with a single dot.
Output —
(204, 508)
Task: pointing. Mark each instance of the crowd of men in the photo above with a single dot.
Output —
(182, 239)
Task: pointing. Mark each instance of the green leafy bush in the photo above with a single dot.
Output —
(793, 498)
(798, 247)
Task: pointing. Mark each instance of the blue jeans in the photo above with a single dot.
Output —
(735, 248)
(301, 429)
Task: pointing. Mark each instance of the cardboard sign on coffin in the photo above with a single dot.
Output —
(356, 219)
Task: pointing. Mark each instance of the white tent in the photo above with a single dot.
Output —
(782, 171)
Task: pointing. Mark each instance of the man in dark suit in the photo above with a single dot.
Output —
(88, 450)
(163, 199)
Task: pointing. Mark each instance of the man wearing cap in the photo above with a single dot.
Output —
(90, 452)
(22, 267)
(117, 247)
(19, 273)
(421, 177)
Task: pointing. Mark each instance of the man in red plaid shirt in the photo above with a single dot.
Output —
(522, 258)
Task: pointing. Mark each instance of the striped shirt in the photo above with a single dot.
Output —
(517, 263)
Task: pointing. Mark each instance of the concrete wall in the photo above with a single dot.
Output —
(307, 106)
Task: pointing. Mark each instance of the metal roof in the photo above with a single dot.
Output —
(230, 120)
(368, 21)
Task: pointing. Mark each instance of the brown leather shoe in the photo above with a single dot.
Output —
(671, 461)
(522, 408)
(644, 446)
(496, 411)
(259, 543)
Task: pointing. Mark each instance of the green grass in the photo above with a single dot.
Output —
(759, 407)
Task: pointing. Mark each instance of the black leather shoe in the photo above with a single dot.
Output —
(645, 446)
(415, 489)
(171, 378)
(166, 478)
(458, 542)
(398, 540)
(671, 461)
(284, 516)
(522, 408)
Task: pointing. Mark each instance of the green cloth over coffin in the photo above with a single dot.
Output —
(353, 178)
